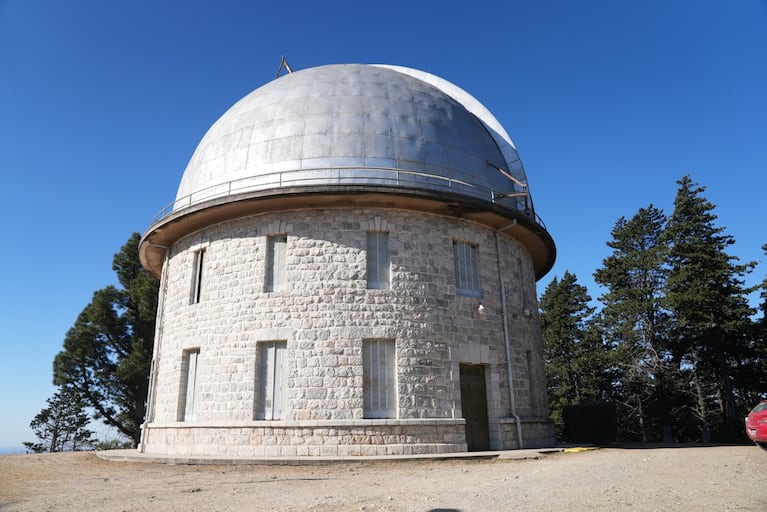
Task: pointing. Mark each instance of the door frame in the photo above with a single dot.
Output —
(474, 405)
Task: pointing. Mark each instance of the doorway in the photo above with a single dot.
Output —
(474, 406)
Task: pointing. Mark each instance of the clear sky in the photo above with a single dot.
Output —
(609, 103)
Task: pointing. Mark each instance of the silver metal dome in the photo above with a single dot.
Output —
(340, 135)
(356, 125)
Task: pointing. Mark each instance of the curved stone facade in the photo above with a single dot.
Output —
(323, 315)
(349, 268)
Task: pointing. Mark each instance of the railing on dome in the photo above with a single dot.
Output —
(352, 176)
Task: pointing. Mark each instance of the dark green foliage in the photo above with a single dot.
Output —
(763, 296)
(108, 351)
(577, 362)
(685, 356)
(751, 370)
(112, 444)
(636, 324)
(712, 318)
(62, 426)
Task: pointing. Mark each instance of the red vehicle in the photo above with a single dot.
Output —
(756, 424)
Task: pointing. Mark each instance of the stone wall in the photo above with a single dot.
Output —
(307, 438)
(324, 314)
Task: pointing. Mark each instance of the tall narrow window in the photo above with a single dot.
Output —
(466, 269)
(521, 278)
(532, 384)
(379, 379)
(276, 256)
(196, 292)
(272, 371)
(378, 260)
(187, 391)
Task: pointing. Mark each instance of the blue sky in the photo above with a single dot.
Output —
(609, 103)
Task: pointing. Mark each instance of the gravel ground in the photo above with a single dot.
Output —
(680, 479)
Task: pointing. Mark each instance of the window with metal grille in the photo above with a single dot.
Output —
(378, 260)
(272, 372)
(188, 388)
(466, 269)
(379, 379)
(276, 262)
(196, 292)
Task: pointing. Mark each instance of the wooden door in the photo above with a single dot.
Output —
(474, 406)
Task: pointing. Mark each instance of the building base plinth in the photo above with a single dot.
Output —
(306, 438)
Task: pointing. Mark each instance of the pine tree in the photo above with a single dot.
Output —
(576, 359)
(107, 353)
(750, 373)
(705, 291)
(62, 426)
(636, 324)
(762, 322)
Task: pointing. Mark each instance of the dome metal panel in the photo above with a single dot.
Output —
(372, 135)
(367, 121)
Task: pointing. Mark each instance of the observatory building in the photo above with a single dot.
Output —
(349, 268)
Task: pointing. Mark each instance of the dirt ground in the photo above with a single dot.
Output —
(679, 479)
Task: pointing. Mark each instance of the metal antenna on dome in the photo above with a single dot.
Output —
(283, 65)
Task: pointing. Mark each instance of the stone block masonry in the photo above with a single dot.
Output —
(323, 315)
